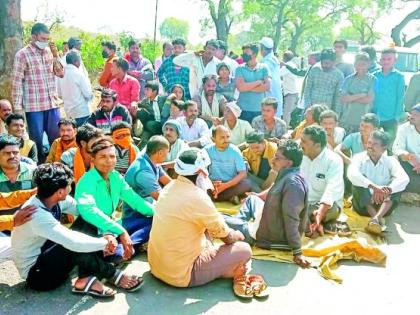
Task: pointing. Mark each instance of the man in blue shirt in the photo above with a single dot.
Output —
(227, 170)
(389, 93)
(273, 65)
(253, 82)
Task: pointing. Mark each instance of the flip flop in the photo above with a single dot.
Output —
(374, 227)
(87, 290)
(259, 286)
(115, 280)
(242, 287)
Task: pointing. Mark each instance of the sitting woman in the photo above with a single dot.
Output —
(225, 84)
(45, 252)
(98, 194)
(312, 117)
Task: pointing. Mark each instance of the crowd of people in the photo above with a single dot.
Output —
(146, 168)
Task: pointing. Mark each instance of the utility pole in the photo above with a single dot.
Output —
(154, 33)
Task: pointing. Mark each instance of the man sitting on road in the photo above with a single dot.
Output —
(378, 180)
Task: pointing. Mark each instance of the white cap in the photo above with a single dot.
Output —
(267, 42)
(235, 109)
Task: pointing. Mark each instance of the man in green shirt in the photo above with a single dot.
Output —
(98, 194)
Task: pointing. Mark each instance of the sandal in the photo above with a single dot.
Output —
(242, 287)
(115, 280)
(258, 285)
(343, 229)
(87, 290)
(374, 227)
(331, 228)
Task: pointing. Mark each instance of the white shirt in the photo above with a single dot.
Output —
(240, 131)
(407, 140)
(289, 79)
(362, 172)
(82, 67)
(197, 69)
(324, 175)
(27, 239)
(76, 92)
(232, 64)
(198, 131)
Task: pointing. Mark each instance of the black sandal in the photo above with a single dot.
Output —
(87, 290)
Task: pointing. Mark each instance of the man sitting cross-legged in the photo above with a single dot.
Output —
(179, 253)
(45, 252)
(279, 214)
(378, 180)
(323, 170)
(227, 169)
(16, 127)
(67, 140)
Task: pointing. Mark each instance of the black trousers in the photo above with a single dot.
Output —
(54, 265)
(362, 197)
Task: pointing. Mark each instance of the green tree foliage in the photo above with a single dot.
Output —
(172, 28)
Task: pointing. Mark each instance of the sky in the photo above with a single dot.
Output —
(137, 16)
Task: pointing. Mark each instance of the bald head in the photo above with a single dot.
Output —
(5, 109)
(221, 137)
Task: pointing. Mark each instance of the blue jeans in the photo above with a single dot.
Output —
(40, 122)
(249, 116)
(246, 213)
(81, 121)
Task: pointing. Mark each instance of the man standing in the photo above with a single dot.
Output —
(75, 90)
(323, 82)
(67, 140)
(323, 170)
(290, 90)
(16, 127)
(210, 104)
(139, 67)
(34, 86)
(126, 86)
(194, 130)
(75, 44)
(407, 148)
(200, 63)
(170, 74)
(253, 81)
(109, 112)
(340, 48)
(108, 52)
(412, 95)
(273, 65)
(5, 110)
(389, 93)
(227, 170)
(378, 180)
(279, 215)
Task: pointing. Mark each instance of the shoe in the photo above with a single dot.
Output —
(337, 228)
(242, 287)
(343, 229)
(374, 227)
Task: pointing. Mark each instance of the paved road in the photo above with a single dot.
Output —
(366, 289)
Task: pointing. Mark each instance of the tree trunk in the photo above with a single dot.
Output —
(279, 25)
(412, 42)
(10, 42)
(396, 31)
(294, 41)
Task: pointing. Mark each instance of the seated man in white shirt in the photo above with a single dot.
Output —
(194, 130)
(378, 180)
(407, 148)
(323, 170)
(45, 252)
(329, 122)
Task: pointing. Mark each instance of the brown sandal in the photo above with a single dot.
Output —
(242, 287)
(258, 285)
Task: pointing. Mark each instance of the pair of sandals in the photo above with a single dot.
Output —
(107, 292)
(248, 286)
(337, 228)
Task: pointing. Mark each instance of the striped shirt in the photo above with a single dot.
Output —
(33, 80)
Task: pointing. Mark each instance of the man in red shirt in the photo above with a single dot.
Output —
(126, 86)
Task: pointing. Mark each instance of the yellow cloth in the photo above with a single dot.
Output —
(254, 159)
(12, 200)
(183, 214)
(324, 252)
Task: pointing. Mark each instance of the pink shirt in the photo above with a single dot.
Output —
(128, 90)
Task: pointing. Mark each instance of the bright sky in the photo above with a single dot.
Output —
(137, 16)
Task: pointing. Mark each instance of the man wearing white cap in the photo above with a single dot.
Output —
(179, 252)
(273, 65)
(239, 128)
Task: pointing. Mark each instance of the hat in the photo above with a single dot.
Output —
(267, 42)
(416, 108)
(174, 123)
(201, 163)
(254, 137)
(236, 110)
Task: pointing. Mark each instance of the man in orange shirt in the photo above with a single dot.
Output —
(108, 51)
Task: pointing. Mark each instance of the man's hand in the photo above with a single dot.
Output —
(301, 261)
(53, 49)
(199, 53)
(233, 236)
(23, 215)
(127, 245)
(379, 194)
(219, 187)
(111, 246)
(172, 96)
(217, 121)
(316, 227)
